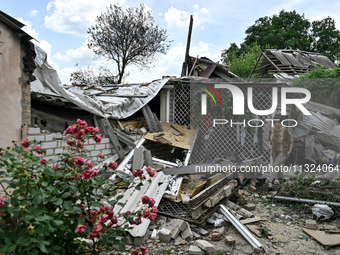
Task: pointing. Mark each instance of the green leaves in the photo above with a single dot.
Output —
(37, 199)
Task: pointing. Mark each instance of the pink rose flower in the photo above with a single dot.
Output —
(94, 172)
(89, 165)
(97, 138)
(152, 202)
(89, 129)
(43, 161)
(143, 249)
(38, 150)
(113, 165)
(153, 216)
(145, 199)
(25, 143)
(79, 161)
(152, 172)
(100, 155)
(147, 213)
(86, 174)
(80, 229)
(1, 202)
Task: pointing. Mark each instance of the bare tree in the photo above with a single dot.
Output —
(128, 37)
(87, 77)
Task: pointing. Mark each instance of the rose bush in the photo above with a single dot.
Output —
(53, 207)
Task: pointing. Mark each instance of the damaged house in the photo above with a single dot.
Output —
(16, 68)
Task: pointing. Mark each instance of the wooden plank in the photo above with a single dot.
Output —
(99, 124)
(183, 142)
(323, 238)
(253, 228)
(120, 125)
(250, 220)
(113, 138)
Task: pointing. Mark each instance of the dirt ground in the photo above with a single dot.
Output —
(282, 220)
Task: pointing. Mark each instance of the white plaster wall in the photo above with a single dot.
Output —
(10, 90)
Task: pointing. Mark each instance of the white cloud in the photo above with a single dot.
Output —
(177, 18)
(204, 10)
(196, 6)
(74, 16)
(82, 55)
(28, 28)
(317, 18)
(34, 12)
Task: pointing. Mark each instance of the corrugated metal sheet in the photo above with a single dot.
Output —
(112, 105)
(132, 200)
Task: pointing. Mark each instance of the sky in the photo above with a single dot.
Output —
(61, 26)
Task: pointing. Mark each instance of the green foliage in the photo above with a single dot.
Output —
(241, 60)
(48, 203)
(323, 83)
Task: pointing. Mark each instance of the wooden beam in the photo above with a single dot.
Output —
(185, 64)
(113, 138)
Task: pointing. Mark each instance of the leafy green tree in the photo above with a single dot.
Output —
(326, 38)
(283, 31)
(241, 60)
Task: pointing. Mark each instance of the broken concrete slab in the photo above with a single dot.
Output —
(216, 236)
(187, 233)
(206, 246)
(311, 224)
(179, 224)
(195, 250)
(250, 206)
(147, 158)
(138, 160)
(219, 230)
(164, 235)
(174, 231)
(203, 231)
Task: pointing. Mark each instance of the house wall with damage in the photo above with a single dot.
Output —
(11, 95)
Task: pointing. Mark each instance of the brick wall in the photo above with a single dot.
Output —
(53, 143)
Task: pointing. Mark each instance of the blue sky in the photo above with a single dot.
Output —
(61, 26)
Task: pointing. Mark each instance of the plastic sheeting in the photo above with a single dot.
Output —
(48, 83)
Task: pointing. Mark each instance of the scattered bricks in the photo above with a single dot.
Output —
(207, 204)
(186, 179)
(195, 250)
(185, 198)
(178, 240)
(227, 190)
(235, 183)
(216, 236)
(196, 235)
(49, 145)
(311, 224)
(154, 235)
(203, 231)
(49, 137)
(229, 240)
(219, 230)
(206, 246)
(179, 224)
(215, 199)
(174, 231)
(99, 146)
(33, 131)
(187, 234)
(240, 192)
(164, 235)
(252, 188)
(250, 206)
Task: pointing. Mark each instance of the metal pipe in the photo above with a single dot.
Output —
(164, 162)
(241, 228)
(294, 199)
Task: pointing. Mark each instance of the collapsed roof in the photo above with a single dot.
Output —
(291, 62)
(117, 101)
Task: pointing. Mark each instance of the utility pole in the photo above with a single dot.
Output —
(186, 58)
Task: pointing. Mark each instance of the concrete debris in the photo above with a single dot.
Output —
(206, 246)
(219, 230)
(179, 224)
(229, 240)
(203, 231)
(195, 250)
(216, 236)
(187, 233)
(311, 224)
(185, 198)
(164, 235)
(250, 206)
